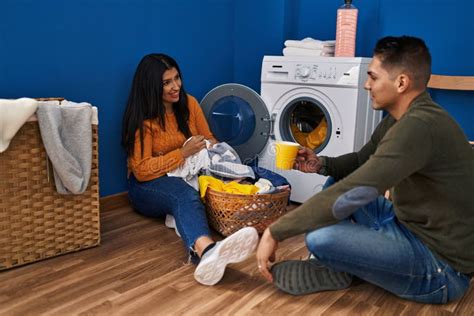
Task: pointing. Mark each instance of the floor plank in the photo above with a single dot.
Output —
(141, 268)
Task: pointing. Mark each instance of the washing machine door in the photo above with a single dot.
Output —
(238, 116)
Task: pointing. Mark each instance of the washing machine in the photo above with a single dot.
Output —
(318, 102)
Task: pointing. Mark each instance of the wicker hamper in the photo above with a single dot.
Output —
(228, 213)
(36, 222)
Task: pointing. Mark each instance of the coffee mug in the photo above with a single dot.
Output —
(286, 153)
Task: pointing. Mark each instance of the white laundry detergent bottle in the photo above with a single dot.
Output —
(346, 29)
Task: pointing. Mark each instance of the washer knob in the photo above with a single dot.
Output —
(305, 72)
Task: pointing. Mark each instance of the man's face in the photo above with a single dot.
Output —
(382, 86)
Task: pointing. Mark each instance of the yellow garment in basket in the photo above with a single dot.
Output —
(231, 187)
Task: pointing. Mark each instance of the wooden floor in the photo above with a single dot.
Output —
(140, 269)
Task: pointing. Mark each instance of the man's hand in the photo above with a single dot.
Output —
(307, 161)
(266, 254)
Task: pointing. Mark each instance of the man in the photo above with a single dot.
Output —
(420, 245)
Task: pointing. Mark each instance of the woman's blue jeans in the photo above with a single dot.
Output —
(374, 246)
(173, 196)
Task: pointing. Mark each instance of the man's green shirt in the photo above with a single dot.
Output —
(427, 162)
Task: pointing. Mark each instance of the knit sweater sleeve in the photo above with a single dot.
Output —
(404, 149)
(149, 166)
(200, 120)
(340, 167)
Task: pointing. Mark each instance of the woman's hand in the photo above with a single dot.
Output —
(307, 161)
(193, 146)
(212, 142)
(266, 254)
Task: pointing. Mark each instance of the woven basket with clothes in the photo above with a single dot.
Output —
(228, 213)
(36, 222)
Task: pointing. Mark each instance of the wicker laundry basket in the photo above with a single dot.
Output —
(36, 222)
(228, 213)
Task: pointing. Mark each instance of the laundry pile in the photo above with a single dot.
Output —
(219, 167)
(309, 47)
(219, 160)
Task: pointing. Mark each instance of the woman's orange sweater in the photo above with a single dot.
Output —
(162, 148)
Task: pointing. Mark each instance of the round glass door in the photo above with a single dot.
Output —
(238, 116)
(307, 122)
(232, 120)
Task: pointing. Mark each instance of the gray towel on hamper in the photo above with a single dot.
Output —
(67, 137)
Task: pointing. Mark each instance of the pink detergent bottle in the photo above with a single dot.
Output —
(346, 28)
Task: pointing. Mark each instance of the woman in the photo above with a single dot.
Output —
(159, 118)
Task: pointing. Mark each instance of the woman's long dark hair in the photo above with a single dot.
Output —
(146, 100)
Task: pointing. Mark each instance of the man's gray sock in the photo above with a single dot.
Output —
(299, 277)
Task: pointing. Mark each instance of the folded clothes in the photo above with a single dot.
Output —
(310, 43)
(325, 50)
(295, 51)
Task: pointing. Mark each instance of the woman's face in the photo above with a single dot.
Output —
(171, 86)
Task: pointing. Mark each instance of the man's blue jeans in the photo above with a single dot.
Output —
(173, 196)
(375, 247)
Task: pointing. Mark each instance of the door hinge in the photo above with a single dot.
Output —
(271, 120)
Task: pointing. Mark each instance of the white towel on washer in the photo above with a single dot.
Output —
(311, 43)
(295, 51)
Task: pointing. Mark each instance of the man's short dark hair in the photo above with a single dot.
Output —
(408, 54)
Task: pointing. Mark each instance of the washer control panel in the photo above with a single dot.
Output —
(318, 71)
(327, 73)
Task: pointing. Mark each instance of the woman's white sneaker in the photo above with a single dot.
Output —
(235, 248)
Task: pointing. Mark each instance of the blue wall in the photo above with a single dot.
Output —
(87, 50)
(260, 28)
(448, 28)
